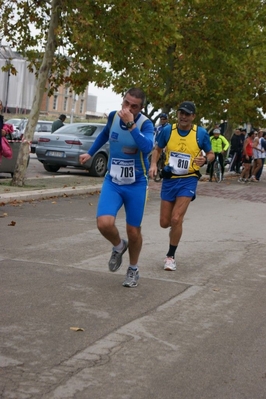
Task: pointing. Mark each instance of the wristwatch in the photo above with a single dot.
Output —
(130, 124)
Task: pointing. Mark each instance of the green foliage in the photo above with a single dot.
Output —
(210, 52)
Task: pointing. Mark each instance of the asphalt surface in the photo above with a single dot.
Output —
(197, 333)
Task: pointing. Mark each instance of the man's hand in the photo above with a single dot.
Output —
(200, 160)
(153, 171)
(83, 158)
(126, 115)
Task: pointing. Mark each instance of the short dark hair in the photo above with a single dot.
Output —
(62, 117)
(138, 93)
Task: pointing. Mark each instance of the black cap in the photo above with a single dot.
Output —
(187, 106)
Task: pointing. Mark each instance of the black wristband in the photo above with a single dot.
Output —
(206, 160)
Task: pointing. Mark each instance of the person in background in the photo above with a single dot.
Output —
(247, 158)
(163, 123)
(58, 123)
(258, 156)
(2, 132)
(263, 145)
(237, 141)
(219, 146)
(130, 136)
(183, 142)
(1, 107)
(216, 126)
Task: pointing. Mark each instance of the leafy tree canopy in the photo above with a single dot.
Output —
(210, 52)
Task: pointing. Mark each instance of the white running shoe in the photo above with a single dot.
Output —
(169, 264)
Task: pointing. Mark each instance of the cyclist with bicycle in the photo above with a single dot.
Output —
(219, 146)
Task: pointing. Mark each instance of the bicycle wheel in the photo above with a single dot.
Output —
(217, 171)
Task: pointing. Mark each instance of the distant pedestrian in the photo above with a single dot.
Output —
(247, 158)
(58, 123)
(1, 107)
(263, 146)
(237, 141)
(258, 156)
(163, 123)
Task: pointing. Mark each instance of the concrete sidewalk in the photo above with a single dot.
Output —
(197, 333)
(50, 186)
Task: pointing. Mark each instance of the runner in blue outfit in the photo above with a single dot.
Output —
(183, 143)
(130, 136)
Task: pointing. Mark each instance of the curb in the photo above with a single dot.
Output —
(48, 193)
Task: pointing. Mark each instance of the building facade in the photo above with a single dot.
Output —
(17, 91)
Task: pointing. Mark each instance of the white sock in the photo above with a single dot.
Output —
(119, 247)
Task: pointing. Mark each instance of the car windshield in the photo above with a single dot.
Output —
(14, 122)
(84, 130)
(43, 127)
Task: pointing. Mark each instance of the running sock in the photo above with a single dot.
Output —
(171, 251)
(135, 267)
(119, 247)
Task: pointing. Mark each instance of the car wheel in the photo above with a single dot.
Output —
(99, 165)
(51, 168)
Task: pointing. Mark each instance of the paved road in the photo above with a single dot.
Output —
(196, 333)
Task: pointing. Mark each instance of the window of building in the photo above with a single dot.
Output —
(55, 102)
(81, 106)
(65, 103)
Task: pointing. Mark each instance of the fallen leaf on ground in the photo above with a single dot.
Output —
(12, 223)
(76, 329)
(3, 215)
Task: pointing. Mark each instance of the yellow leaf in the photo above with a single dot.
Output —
(76, 329)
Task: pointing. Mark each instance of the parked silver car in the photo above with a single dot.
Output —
(63, 148)
(41, 127)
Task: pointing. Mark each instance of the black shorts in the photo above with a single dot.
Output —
(245, 160)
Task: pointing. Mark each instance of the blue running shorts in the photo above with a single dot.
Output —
(132, 196)
(179, 187)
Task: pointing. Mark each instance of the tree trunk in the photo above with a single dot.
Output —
(21, 165)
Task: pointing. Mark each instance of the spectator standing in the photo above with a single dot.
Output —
(258, 157)
(247, 158)
(163, 123)
(236, 149)
(1, 129)
(58, 123)
(130, 136)
(263, 145)
(219, 146)
(183, 142)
